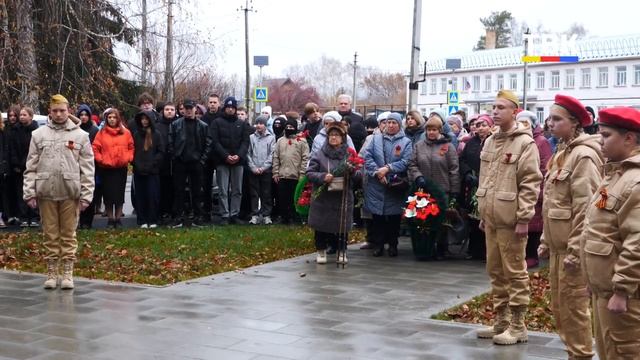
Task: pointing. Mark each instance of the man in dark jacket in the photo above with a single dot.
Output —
(188, 145)
(86, 216)
(213, 111)
(168, 115)
(357, 131)
(19, 141)
(230, 139)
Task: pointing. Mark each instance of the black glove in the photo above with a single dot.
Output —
(421, 183)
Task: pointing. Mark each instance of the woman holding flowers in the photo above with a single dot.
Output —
(386, 160)
(434, 168)
(333, 171)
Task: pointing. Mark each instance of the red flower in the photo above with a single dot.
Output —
(301, 136)
(443, 149)
(71, 145)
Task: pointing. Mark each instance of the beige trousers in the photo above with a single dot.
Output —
(617, 335)
(59, 222)
(507, 268)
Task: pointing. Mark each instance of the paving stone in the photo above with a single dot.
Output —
(375, 308)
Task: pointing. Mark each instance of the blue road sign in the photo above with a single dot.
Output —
(261, 94)
(452, 109)
(453, 98)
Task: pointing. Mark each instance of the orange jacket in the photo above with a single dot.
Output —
(113, 147)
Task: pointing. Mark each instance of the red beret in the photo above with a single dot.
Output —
(620, 117)
(575, 108)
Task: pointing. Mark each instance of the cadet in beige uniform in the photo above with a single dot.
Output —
(59, 180)
(572, 179)
(611, 240)
(507, 193)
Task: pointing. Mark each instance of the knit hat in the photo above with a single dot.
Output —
(291, 122)
(202, 109)
(441, 113)
(527, 115)
(455, 119)
(231, 102)
(83, 108)
(395, 117)
(333, 115)
(486, 118)
(261, 119)
(383, 116)
(266, 109)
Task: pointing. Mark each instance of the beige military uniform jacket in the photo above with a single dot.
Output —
(60, 163)
(510, 178)
(611, 240)
(573, 177)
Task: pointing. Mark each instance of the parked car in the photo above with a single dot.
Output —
(40, 119)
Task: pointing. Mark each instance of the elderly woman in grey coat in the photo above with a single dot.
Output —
(329, 216)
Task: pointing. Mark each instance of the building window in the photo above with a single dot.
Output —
(540, 80)
(434, 86)
(487, 83)
(513, 81)
(621, 75)
(603, 76)
(570, 79)
(500, 82)
(423, 89)
(586, 78)
(476, 83)
(636, 74)
(540, 114)
(454, 84)
(555, 80)
(443, 85)
(528, 80)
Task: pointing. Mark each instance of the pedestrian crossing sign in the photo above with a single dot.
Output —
(261, 94)
(452, 109)
(453, 97)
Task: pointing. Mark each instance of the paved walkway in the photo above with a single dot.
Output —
(376, 308)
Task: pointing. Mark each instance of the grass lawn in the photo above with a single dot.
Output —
(165, 256)
(479, 310)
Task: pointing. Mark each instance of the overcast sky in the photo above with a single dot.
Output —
(298, 31)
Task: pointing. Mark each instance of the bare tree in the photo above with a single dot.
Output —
(28, 69)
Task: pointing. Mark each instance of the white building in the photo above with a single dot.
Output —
(608, 74)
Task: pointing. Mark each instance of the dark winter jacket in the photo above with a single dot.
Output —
(162, 126)
(229, 136)
(90, 128)
(415, 134)
(357, 131)
(438, 161)
(19, 140)
(178, 139)
(325, 210)
(209, 117)
(147, 162)
(313, 128)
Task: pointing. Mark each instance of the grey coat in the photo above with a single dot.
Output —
(261, 148)
(325, 210)
(436, 161)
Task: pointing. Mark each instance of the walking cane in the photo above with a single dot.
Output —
(342, 227)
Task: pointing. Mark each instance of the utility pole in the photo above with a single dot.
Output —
(168, 71)
(355, 66)
(526, 52)
(247, 90)
(415, 54)
(145, 64)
